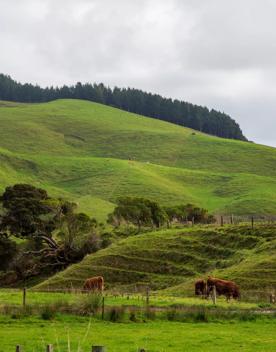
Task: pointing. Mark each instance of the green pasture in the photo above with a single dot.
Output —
(94, 154)
(171, 260)
(71, 333)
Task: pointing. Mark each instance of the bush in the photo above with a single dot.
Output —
(116, 314)
(171, 315)
(132, 316)
(150, 314)
(89, 304)
(247, 316)
(201, 316)
(48, 312)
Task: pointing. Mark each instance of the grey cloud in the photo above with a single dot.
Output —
(213, 52)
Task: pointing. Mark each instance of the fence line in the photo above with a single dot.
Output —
(50, 348)
(147, 296)
(232, 219)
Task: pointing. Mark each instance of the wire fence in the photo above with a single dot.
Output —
(139, 298)
(245, 219)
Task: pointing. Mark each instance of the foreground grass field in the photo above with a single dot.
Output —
(69, 333)
(93, 154)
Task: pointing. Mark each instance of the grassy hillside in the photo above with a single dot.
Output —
(176, 257)
(93, 154)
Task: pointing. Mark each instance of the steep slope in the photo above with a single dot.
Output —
(93, 154)
(167, 258)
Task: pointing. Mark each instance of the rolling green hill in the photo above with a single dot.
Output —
(93, 154)
(174, 258)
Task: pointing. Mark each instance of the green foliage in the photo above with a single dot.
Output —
(189, 212)
(115, 314)
(25, 211)
(29, 213)
(7, 252)
(89, 304)
(138, 211)
(48, 313)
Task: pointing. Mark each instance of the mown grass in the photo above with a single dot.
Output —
(81, 150)
(172, 260)
(71, 333)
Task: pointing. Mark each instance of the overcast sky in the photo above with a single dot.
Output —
(217, 53)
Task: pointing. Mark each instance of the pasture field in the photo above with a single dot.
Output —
(76, 334)
(172, 259)
(93, 154)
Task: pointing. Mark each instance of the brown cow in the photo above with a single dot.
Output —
(200, 288)
(94, 284)
(223, 287)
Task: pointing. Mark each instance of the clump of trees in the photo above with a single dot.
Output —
(40, 234)
(189, 212)
(142, 212)
(134, 100)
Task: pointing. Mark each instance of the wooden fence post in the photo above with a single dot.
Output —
(49, 348)
(214, 295)
(18, 349)
(103, 308)
(147, 296)
(232, 219)
(24, 297)
(98, 349)
(252, 222)
(221, 220)
(272, 298)
(193, 221)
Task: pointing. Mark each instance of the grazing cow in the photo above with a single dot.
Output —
(94, 284)
(200, 288)
(223, 287)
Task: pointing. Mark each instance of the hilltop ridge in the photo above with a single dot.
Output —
(133, 100)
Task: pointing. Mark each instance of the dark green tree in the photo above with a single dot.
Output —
(138, 211)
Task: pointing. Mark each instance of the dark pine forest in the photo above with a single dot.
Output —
(129, 99)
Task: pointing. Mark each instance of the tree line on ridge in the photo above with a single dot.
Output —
(133, 100)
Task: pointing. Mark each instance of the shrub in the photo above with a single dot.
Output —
(116, 314)
(48, 312)
(171, 315)
(89, 304)
(132, 316)
(201, 316)
(150, 314)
